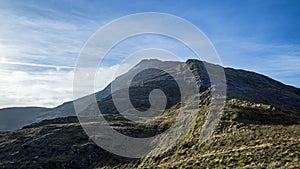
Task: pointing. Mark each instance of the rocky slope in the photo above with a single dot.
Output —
(259, 128)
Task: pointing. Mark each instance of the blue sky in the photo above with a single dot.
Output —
(261, 36)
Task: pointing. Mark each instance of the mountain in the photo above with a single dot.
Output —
(258, 129)
(240, 84)
(16, 118)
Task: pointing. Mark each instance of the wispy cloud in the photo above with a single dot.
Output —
(38, 54)
(279, 61)
(32, 37)
(57, 67)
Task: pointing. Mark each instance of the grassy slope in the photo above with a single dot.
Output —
(252, 142)
(248, 136)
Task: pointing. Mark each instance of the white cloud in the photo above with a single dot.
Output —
(49, 88)
(28, 43)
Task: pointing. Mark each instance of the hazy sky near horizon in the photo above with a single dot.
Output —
(41, 40)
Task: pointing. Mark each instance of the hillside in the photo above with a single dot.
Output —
(258, 129)
(15, 118)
